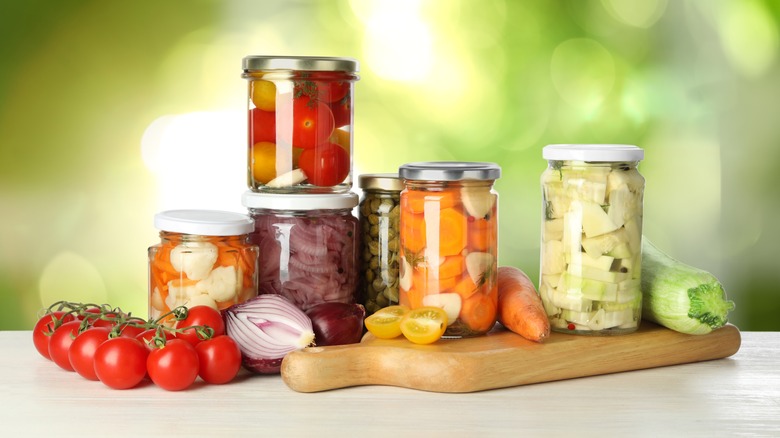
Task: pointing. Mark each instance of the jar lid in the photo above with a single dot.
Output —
(306, 63)
(381, 181)
(204, 222)
(299, 202)
(450, 171)
(593, 152)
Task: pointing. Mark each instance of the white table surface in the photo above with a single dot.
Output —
(735, 396)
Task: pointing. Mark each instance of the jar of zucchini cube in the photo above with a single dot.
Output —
(300, 123)
(449, 242)
(204, 258)
(379, 214)
(592, 238)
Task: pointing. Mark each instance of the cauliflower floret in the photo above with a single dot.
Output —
(194, 259)
(221, 285)
(156, 300)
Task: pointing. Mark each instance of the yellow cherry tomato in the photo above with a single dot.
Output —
(424, 325)
(341, 138)
(385, 323)
(267, 166)
(264, 95)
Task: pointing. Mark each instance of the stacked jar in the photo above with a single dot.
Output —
(299, 174)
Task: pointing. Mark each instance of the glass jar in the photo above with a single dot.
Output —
(379, 214)
(310, 246)
(204, 258)
(300, 123)
(449, 242)
(592, 238)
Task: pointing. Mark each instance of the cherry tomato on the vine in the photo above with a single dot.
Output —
(43, 329)
(200, 316)
(173, 366)
(130, 330)
(219, 358)
(60, 343)
(147, 335)
(120, 363)
(325, 165)
(81, 353)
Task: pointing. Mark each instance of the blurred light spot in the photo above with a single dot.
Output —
(583, 73)
(637, 13)
(199, 159)
(749, 36)
(69, 276)
(398, 44)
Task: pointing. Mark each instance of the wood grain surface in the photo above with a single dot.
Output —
(498, 360)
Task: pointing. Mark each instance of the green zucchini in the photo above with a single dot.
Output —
(681, 297)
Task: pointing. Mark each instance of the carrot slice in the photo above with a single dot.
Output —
(466, 287)
(416, 200)
(452, 232)
(478, 312)
(520, 308)
(482, 234)
(451, 267)
(412, 231)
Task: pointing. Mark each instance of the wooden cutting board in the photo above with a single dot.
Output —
(499, 359)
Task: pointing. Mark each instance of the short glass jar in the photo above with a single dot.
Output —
(309, 244)
(379, 214)
(449, 242)
(300, 123)
(204, 258)
(592, 238)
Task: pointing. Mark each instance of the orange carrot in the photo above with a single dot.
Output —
(452, 233)
(416, 200)
(478, 312)
(412, 231)
(519, 306)
(451, 267)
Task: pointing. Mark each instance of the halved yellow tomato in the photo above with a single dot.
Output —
(385, 323)
(424, 325)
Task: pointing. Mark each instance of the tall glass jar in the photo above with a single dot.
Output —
(592, 238)
(300, 123)
(309, 244)
(379, 214)
(449, 242)
(204, 258)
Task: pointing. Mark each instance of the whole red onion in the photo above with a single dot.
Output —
(337, 323)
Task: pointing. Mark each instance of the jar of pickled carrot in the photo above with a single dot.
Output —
(300, 123)
(449, 242)
(204, 258)
(310, 246)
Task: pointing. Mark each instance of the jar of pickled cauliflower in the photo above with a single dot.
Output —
(449, 242)
(379, 214)
(309, 244)
(592, 238)
(300, 123)
(204, 258)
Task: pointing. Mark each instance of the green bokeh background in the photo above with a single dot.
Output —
(100, 102)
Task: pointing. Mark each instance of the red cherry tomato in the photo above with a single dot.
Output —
(147, 335)
(262, 126)
(107, 320)
(45, 327)
(312, 122)
(219, 358)
(174, 366)
(120, 363)
(200, 315)
(332, 91)
(342, 111)
(325, 165)
(81, 353)
(60, 343)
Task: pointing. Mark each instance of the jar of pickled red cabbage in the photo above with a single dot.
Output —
(204, 258)
(449, 242)
(591, 245)
(300, 123)
(310, 246)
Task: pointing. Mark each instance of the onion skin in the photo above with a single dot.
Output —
(337, 323)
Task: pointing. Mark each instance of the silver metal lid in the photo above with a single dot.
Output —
(306, 63)
(450, 171)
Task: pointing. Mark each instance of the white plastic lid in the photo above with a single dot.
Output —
(300, 202)
(204, 222)
(593, 152)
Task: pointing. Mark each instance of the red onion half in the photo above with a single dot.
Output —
(266, 328)
(337, 323)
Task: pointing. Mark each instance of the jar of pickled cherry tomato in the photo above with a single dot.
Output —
(204, 258)
(449, 242)
(310, 246)
(300, 123)
(379, 213)
(591, 245)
